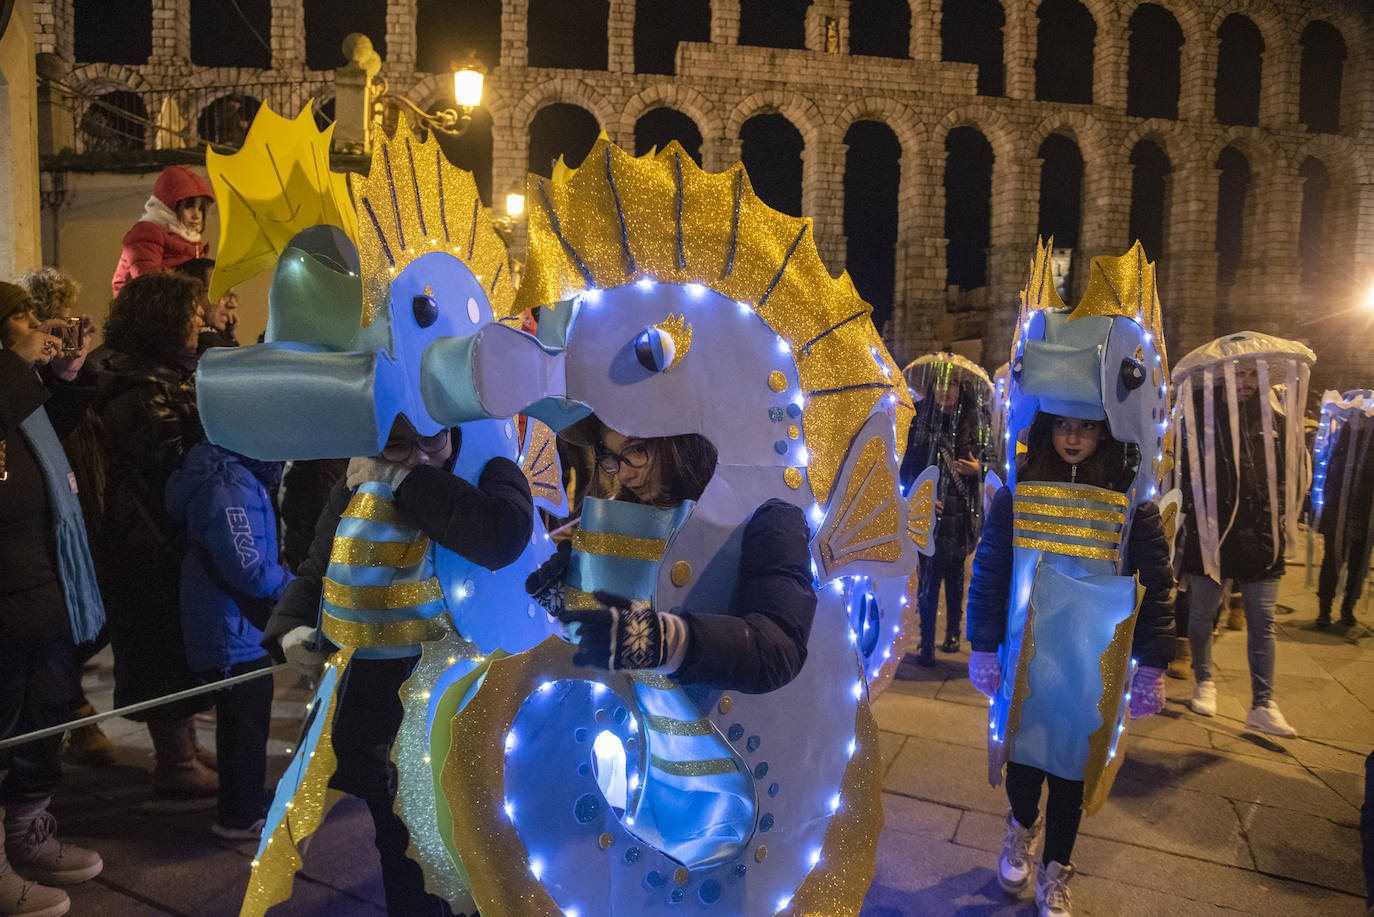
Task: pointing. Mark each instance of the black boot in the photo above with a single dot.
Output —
(951, 644)
(1347, 612)
(1323, 613)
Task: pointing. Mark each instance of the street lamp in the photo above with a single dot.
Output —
(468, 76)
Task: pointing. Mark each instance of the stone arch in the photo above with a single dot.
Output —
(1188, 15)
(801, 111)
(1084, 130)
(1338, 153)
(108, 77)
(1179, 144)
(681, 97)
(562, 89)
(911, 133)
(1006, 139)
(1266, 158)
(1273, 29)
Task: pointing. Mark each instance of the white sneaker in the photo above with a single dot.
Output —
(1017, 863)
(1052, 891)
(1269, 720)
(1204, 700)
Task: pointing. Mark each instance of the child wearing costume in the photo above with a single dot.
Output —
(1071, 602)
(169, 232)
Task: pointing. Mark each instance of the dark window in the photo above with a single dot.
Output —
(968, 208)
(563, 130)
(1238, 70)
(773, 23)
(231, 34)
(1152, 69)
(328, 21)
(659, 26)
(1323, 63)
(114, 121)
(225, 121)
(472, 151)
(971, 33)
(880, 28)
(570, 34)
(656, 129)
(1316, 185)
(445, 29)
(771, 149)
(113, 31)
(1061, 190)
(872, 173)
(1150, 169)
(1064, 52)
(1233, 184)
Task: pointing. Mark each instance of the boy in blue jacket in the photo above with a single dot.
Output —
(230, 579)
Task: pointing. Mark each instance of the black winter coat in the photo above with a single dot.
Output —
(150, 420)
(760, 644)
(1147, 554)
(489, 524)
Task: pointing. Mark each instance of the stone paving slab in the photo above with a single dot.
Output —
(1300, 846)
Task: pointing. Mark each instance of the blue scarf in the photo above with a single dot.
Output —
(85, 611)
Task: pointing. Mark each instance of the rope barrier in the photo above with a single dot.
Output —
(141, 705)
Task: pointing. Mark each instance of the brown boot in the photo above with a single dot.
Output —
(87, 745)
(178, 775)
(1235, 618)
(1183, 658)
(204, 755)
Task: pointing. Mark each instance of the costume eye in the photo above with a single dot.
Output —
(425, 310)
(1132, 373)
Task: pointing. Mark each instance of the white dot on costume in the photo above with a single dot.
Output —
(510, 810)
(537, 867)
(426, 759)
(474, 311)
(815, 857)
(644, 283)
(695, 290)
(424, 695)
(598, 689)
(288, 751)
(510, 742)
(816, 514)
(744, 306)
(783, 346)
(834, 802)
(784, 901)
(858, 690)
(452, 660)
(592, 296)
(852, 746)
(803, 455)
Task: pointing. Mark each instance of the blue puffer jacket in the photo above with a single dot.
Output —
(230, 573)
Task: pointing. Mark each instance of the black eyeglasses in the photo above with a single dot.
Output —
(636, 455)
(399, 450)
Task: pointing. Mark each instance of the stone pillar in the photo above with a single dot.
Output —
(1111, 47)
(1105, 216)
(171, 36)
(1015, 196)
(724, 22)
(620, 37)
(56, 115)
(827, 26)
(515, 49)
(1279, 87)
(1188, 269)
(55, 32)
(1197, 77)
(352, 95)
(823, 197)
(288, 35)
(1018, 49)
(400, 37)
(919, 300)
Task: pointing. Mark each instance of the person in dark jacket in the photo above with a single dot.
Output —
(755, 647)
(305, 489)
(490, 524)
(147, 407)
(48, 599)
(1345, 520)
(945, 431)
(1066, 449)
(230, 579)
(1249, 555)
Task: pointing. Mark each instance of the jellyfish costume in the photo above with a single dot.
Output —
(355, 306)
(1062, 703)
(1343, 498)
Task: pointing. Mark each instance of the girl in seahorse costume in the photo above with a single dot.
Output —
(1072, 578)
(676, 307)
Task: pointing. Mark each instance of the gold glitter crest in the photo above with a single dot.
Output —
(677, 329)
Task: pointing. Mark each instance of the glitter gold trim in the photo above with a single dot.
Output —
(1072, 550)
(1020, 689)
(374, 509)
(669, 726)
(612, 544)
(578, 600)
(1068, 530)
(1069, 512)
(677, 329)
(921, 513)
(653, 680)
(376, 634)
(360, 552)
(1099, 773)
(382, 598)
(413, 202)
(704, 767)
(1097, 494)
(867, 523)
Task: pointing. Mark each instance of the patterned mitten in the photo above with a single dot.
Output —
(985, 671)
(545, 585)
(1147, 691)
(624, 634)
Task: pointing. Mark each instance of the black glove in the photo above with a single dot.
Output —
(545, 585)
(623, 635)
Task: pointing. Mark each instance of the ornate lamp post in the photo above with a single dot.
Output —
(468, 76)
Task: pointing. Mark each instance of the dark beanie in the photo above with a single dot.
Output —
(13, 298)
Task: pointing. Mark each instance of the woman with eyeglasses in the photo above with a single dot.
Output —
(405, 495)
(756, 646)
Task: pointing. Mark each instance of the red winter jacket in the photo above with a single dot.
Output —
(151, 246)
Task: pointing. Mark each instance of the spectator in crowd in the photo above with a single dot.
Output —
(170, 230)
(305, 489)
(147, 405)
(218, 319)
(48, 599)
(230, 579)
(55, 296)
(1347, 505)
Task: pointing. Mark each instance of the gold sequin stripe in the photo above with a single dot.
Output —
(704, 767)
(674, 727)
(577, 600)
(374, 509)
(361, 552)
(1073, 550)
(653, 680)
(1069, 512)
(1068, 530)
(382, 598)
(384, 633)
(614, 545)
(1098, 494)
